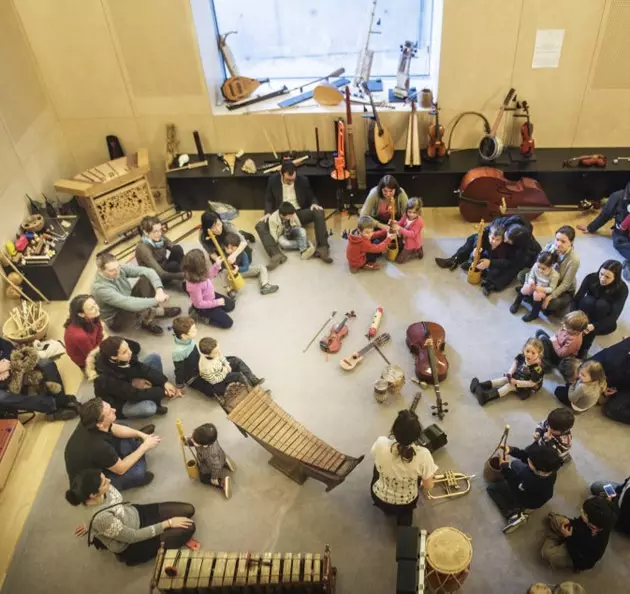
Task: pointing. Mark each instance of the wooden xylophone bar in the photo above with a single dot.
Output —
(210, 571)
(296, 451)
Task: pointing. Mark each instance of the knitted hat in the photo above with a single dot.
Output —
(569, 588)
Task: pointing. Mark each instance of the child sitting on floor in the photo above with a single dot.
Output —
(287, 231)
(541, 281)
(212, 461)
(410, 229)
(527, 482)
(585, 387)
(524, 377)
(555, 431)
(210, 307)
(243, 265)
(566, 342)
(221, 371)
(361, 251)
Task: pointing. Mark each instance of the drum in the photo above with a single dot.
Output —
(492, 470)
(395, 378)
(449, 555)
(380, 390)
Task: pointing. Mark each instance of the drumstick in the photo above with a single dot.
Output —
(171, 570)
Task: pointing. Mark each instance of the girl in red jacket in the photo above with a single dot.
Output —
(410, 229)
(361, 252)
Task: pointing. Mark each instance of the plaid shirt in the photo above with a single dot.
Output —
(562, 443)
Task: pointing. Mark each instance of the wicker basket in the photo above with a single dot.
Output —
(39, 330)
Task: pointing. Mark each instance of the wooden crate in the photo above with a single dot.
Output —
(11, 436)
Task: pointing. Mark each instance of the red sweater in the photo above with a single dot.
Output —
(358, 246)
(412, 232)
(80, 342)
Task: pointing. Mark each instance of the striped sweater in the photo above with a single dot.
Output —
(214, 371)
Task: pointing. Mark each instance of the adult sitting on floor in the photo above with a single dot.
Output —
(617, 207)
(84, 330)
(616, 363)
(99, 442)
(211, 221)
(287, 186)
(521, 252)
(621, 502)
(133, 532)
(601, 296)
(158, 252)
(28, 383)
(134, 388)
(120, 304)
(378, 202)
(567, 266)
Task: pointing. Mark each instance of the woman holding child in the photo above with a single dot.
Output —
(378, 203)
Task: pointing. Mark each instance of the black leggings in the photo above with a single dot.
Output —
(173, 538)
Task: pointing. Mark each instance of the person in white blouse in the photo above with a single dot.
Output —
(400, 466)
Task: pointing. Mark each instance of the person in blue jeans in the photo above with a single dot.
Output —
(135, 388)
(118, 450)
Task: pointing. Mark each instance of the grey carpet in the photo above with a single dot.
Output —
(268, 512)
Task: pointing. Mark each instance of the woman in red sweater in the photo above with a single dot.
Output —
(84, 330)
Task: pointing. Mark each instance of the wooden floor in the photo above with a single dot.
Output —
(41, 436)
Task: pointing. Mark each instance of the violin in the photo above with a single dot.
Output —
(436, 146)
(426, 341)
(527, 130)
(586, 161)
(332, 343)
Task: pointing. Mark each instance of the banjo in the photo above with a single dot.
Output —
(491, 146)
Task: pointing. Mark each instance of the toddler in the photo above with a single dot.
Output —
(585, 389)
(410, 229)
(566, 342)
(243, 265)
(541, 281)
(361, 251)
(287, 231)
(555, 431)
(524, 377)
(221, 371)
(211, 459)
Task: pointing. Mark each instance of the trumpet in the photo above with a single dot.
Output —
(449, 482)
(237, 282)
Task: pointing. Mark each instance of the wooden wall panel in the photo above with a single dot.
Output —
(9, 161)
(22, 97)
(75, 53)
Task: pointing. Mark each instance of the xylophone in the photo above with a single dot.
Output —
(295, 450)
(186, 571)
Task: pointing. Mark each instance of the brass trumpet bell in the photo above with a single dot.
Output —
(449, 481)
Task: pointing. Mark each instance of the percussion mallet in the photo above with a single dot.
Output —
(330, 319)
(171, 570)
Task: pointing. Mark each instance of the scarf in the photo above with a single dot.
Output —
(155, 244)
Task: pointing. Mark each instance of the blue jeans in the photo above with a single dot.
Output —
(295, 239)
(144, 408)
(135, 475)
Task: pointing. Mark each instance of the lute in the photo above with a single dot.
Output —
(349, 363)
(379, 139)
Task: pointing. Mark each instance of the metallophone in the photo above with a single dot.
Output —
(295, 451)
(185, 571)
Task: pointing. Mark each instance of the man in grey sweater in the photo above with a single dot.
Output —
(120, 304)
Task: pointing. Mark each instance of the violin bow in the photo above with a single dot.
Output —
(330, 319)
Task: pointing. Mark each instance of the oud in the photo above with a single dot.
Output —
(349, 363)
(379, 139)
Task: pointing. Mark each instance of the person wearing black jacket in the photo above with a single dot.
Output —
(579, 543)
(287, 186)
(617, 206)
(621, 502)
(615, 360)
(521, 252)
(601, 296)
(132, 387)
(528, 482)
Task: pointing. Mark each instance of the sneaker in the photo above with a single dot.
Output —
(449, 263)
(229, 464)
(515, 307)
(153, 328)
(466, 265)
(514, 522)
(268, 289)
(308, 252)
(65, 414)
(323, 253)
(146, 480)
(148, 429)
(227, 487)
(161, 410)
(276, 260)
(232, 294)
(625, 271)
(372, 266)
(474, 384)
(172, 312)
(248, 236)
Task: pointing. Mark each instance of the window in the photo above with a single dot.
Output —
(307, 39)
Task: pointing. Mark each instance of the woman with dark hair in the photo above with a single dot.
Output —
(601, 296)
(399, 467)
(133, 532)
(378, 201)
(211, 221)
(84, 330)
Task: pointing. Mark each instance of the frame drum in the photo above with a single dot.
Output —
(449, 555)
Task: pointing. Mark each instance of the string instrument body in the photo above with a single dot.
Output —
(349, 363)
(236, 88)
(436, 146)
(527, 130)
(332, 343)
(474, 275)
(380, 140)
(417, 336)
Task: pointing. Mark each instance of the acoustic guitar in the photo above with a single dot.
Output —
(349, 363)
(379, 139)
